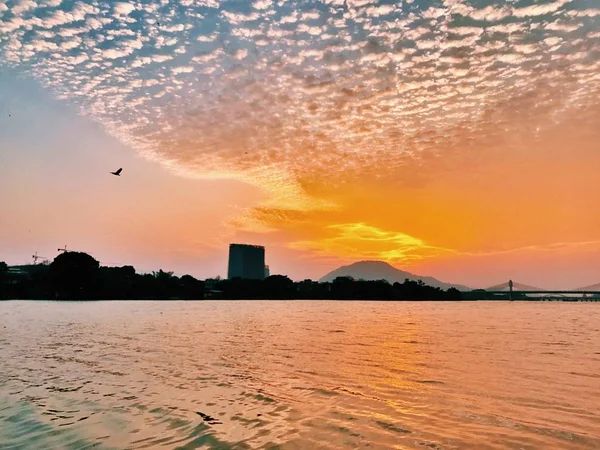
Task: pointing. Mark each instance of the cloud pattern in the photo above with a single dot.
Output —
(349, 239)
(279, 93)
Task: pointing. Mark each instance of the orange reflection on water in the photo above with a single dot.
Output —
(299, 374)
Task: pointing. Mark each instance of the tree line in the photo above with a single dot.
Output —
(78, 276)
(341, 288)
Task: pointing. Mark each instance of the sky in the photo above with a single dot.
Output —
(457, 138)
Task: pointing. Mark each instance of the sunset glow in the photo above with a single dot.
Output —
(457, 139)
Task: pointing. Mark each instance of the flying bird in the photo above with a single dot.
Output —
(118, 172)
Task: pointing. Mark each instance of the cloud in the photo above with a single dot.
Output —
(43, 46)
(565, 27)
(161, 58)
(378, 11)
(539, 9)
(359, 3)
(293, 90)
(548, 247)
(71, 44)
(123, 9)
(490, 13)
(22, 6)
(70, 32)
(238, 18)
(362, 241)
(208, 57)
(76, 60)
(173, 28)
(182, 69)
(123, 48)
(585, 13)
(262, 4)
(208, 3)
(240, 53)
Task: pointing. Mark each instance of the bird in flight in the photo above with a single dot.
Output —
(118, 172)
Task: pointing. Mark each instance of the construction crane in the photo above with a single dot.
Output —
(36, 257)
(65, 250)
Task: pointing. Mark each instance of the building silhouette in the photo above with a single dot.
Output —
(246, 261)
(267, 272)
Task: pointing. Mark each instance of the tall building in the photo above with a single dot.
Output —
(246, 261)
(267, 272)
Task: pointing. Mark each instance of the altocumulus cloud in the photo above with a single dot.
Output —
(277, 92)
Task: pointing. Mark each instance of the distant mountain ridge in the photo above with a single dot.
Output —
(380, 270)
(592, 287)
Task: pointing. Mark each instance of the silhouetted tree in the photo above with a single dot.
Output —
(115, 283)
(146, 287)
(73, 274)
(162, 275)
(191, 288)
(343, 288)
(278, 287)
(453, 294)
(3, 280)
(240, 288)
(306, 289)
(375, 290)
(166, 284)
(127, 271)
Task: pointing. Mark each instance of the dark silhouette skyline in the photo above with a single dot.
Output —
(79, 276)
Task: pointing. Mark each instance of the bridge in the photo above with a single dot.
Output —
(522, 291)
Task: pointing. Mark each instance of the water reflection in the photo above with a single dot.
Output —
(298, 375)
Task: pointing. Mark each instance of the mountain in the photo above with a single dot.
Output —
(593, 287)
(379, 270)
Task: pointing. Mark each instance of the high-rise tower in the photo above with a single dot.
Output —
(246, 261)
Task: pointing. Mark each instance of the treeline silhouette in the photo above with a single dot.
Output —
(78, 276)
(341, 288)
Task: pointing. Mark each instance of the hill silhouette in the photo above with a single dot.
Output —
(592, 287)
(380, 270)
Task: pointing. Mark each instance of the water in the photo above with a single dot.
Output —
(303, 374)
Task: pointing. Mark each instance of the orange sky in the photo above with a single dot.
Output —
(506, 213)
(450, 141)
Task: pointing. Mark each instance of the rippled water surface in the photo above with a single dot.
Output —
(303, 374)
